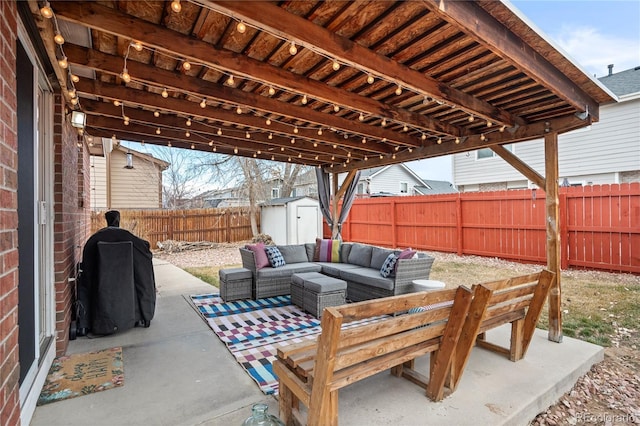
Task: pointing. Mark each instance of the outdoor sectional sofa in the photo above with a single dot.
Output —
(359, 265)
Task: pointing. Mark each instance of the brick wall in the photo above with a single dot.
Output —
(9, 370)
(72, 219)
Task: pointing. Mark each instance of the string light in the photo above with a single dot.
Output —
(74, 101)
(188, 123)
(293, 49)
(176, 6)
(187, 133)
(361, 117)
(193, 146)
(203, 103)
(384, 122)
(336, 108)
(364, 140)
(211, 143)
(230, 81)
(482, 137)
(125, 75)
(156, 114)
(457, 140)
(74, 78)
(241, 27)
(489, 123)
(320, 132)
(304, 100)
(247, 135)
(215, 148)
(405, 128)
(270, 136)
(335, 65)
(268, 122)
(502, 128)
(219, 132)
(399, 90)
(63, 62)
(137, 46)
(158, 131)
(423, 137)
(471, 118)
(186, 66)
(293, 140)
(370, 79)
(164, 93)
(58, 38)
(46, 11)
(169, 144)
(295, 130)
(239, 110)
(315, 144)
(439, 141)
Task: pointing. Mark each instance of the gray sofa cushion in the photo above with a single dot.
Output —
(310, 248)
(334, 269)
(367, 276)
(294, 253)
(288, 269)
(378, 256)
(345, 249)
(360, 255)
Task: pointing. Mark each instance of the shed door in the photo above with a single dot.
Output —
(306, 224)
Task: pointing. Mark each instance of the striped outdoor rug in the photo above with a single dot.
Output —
(254, 329)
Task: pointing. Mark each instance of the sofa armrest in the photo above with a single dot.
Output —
(412, 269)
(248, 260)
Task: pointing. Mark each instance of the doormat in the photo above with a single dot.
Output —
(82, 374)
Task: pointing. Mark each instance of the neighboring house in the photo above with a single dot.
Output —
(397, 179)
(116, 184)
(306, 184)
(221, 198)
(605, 152)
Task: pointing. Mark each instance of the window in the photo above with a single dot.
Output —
(488, 152)
(404, 187)
(275, 192)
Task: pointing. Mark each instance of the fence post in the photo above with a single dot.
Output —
(459, 224)
(394, 237)
(170, 230)
(227, 220)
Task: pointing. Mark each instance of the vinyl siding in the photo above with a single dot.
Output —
(98, 183)
(594, 154)
(389, 179)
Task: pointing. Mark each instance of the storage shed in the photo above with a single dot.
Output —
(292, 220)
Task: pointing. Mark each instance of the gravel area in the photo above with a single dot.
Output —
(609, 394)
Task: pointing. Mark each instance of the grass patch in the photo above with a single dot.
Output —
(208, 274)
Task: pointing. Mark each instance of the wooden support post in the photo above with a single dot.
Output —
(553, 234)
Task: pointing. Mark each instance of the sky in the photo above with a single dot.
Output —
(593, 33)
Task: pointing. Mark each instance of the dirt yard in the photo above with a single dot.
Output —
(600, 307)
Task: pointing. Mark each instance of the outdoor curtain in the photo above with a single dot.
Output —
(324, 194)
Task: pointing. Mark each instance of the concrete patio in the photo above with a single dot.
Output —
(177, 372)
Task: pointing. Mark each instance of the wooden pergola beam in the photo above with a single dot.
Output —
(519, 165)
(199, 88)
(118, 23)
(490, 33)
(273, 18)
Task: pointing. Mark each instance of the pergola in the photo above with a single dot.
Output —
(341, 85)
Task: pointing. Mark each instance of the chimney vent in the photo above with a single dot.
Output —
(610, 66)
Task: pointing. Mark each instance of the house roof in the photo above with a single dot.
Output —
(384, 81)
(436, 187)
(623, 82)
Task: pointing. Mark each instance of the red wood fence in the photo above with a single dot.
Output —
(599, 225)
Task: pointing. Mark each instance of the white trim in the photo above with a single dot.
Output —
(29, 396)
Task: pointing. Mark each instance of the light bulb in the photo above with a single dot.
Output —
(293, 140)
(270, 136)
(186, 65)
(295, 130)
(268, 122)
(370, 79)
(273, 157)
(235, 150)
(361, 118)
(336, 108)
(259, 152)
(293, 49)
(405, 128)
(282, 148)
(366, 158)
(219, 132)
(247, 135)
(439, 141)
(399, 90)
(74, 78)
(58, 38)
(304, 100)
(156, 114)
(239, 110)
(210, 143)
(46, 11)
(482, 137)
(74, 101)
(193, 146)
(384, 122)
(241, 27)
(203, 103)
(471, 118)
(502, 128)
(423, 137)
(158, 131)
(364, 140)
(489, 123)
(215, 148)
(125, 76)
(72, 92)
(137, 46)
(315, 144)
(335, 65)
(165, 94)
(272, 91)
(230, 81)
(187, 133)
(319, 132)
(457, 140)
(381, 156)
(126, 120)
(255, 155)
(176, 6)
(300, 155)
(169, 144)
(188, 123)
(63, 62)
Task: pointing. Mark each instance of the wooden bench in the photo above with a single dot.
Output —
(517, 301)
(361, 339)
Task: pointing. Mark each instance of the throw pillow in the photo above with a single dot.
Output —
(327, 251)
(405, 254)
(276, 259)
(389, 266)
(261, 256)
